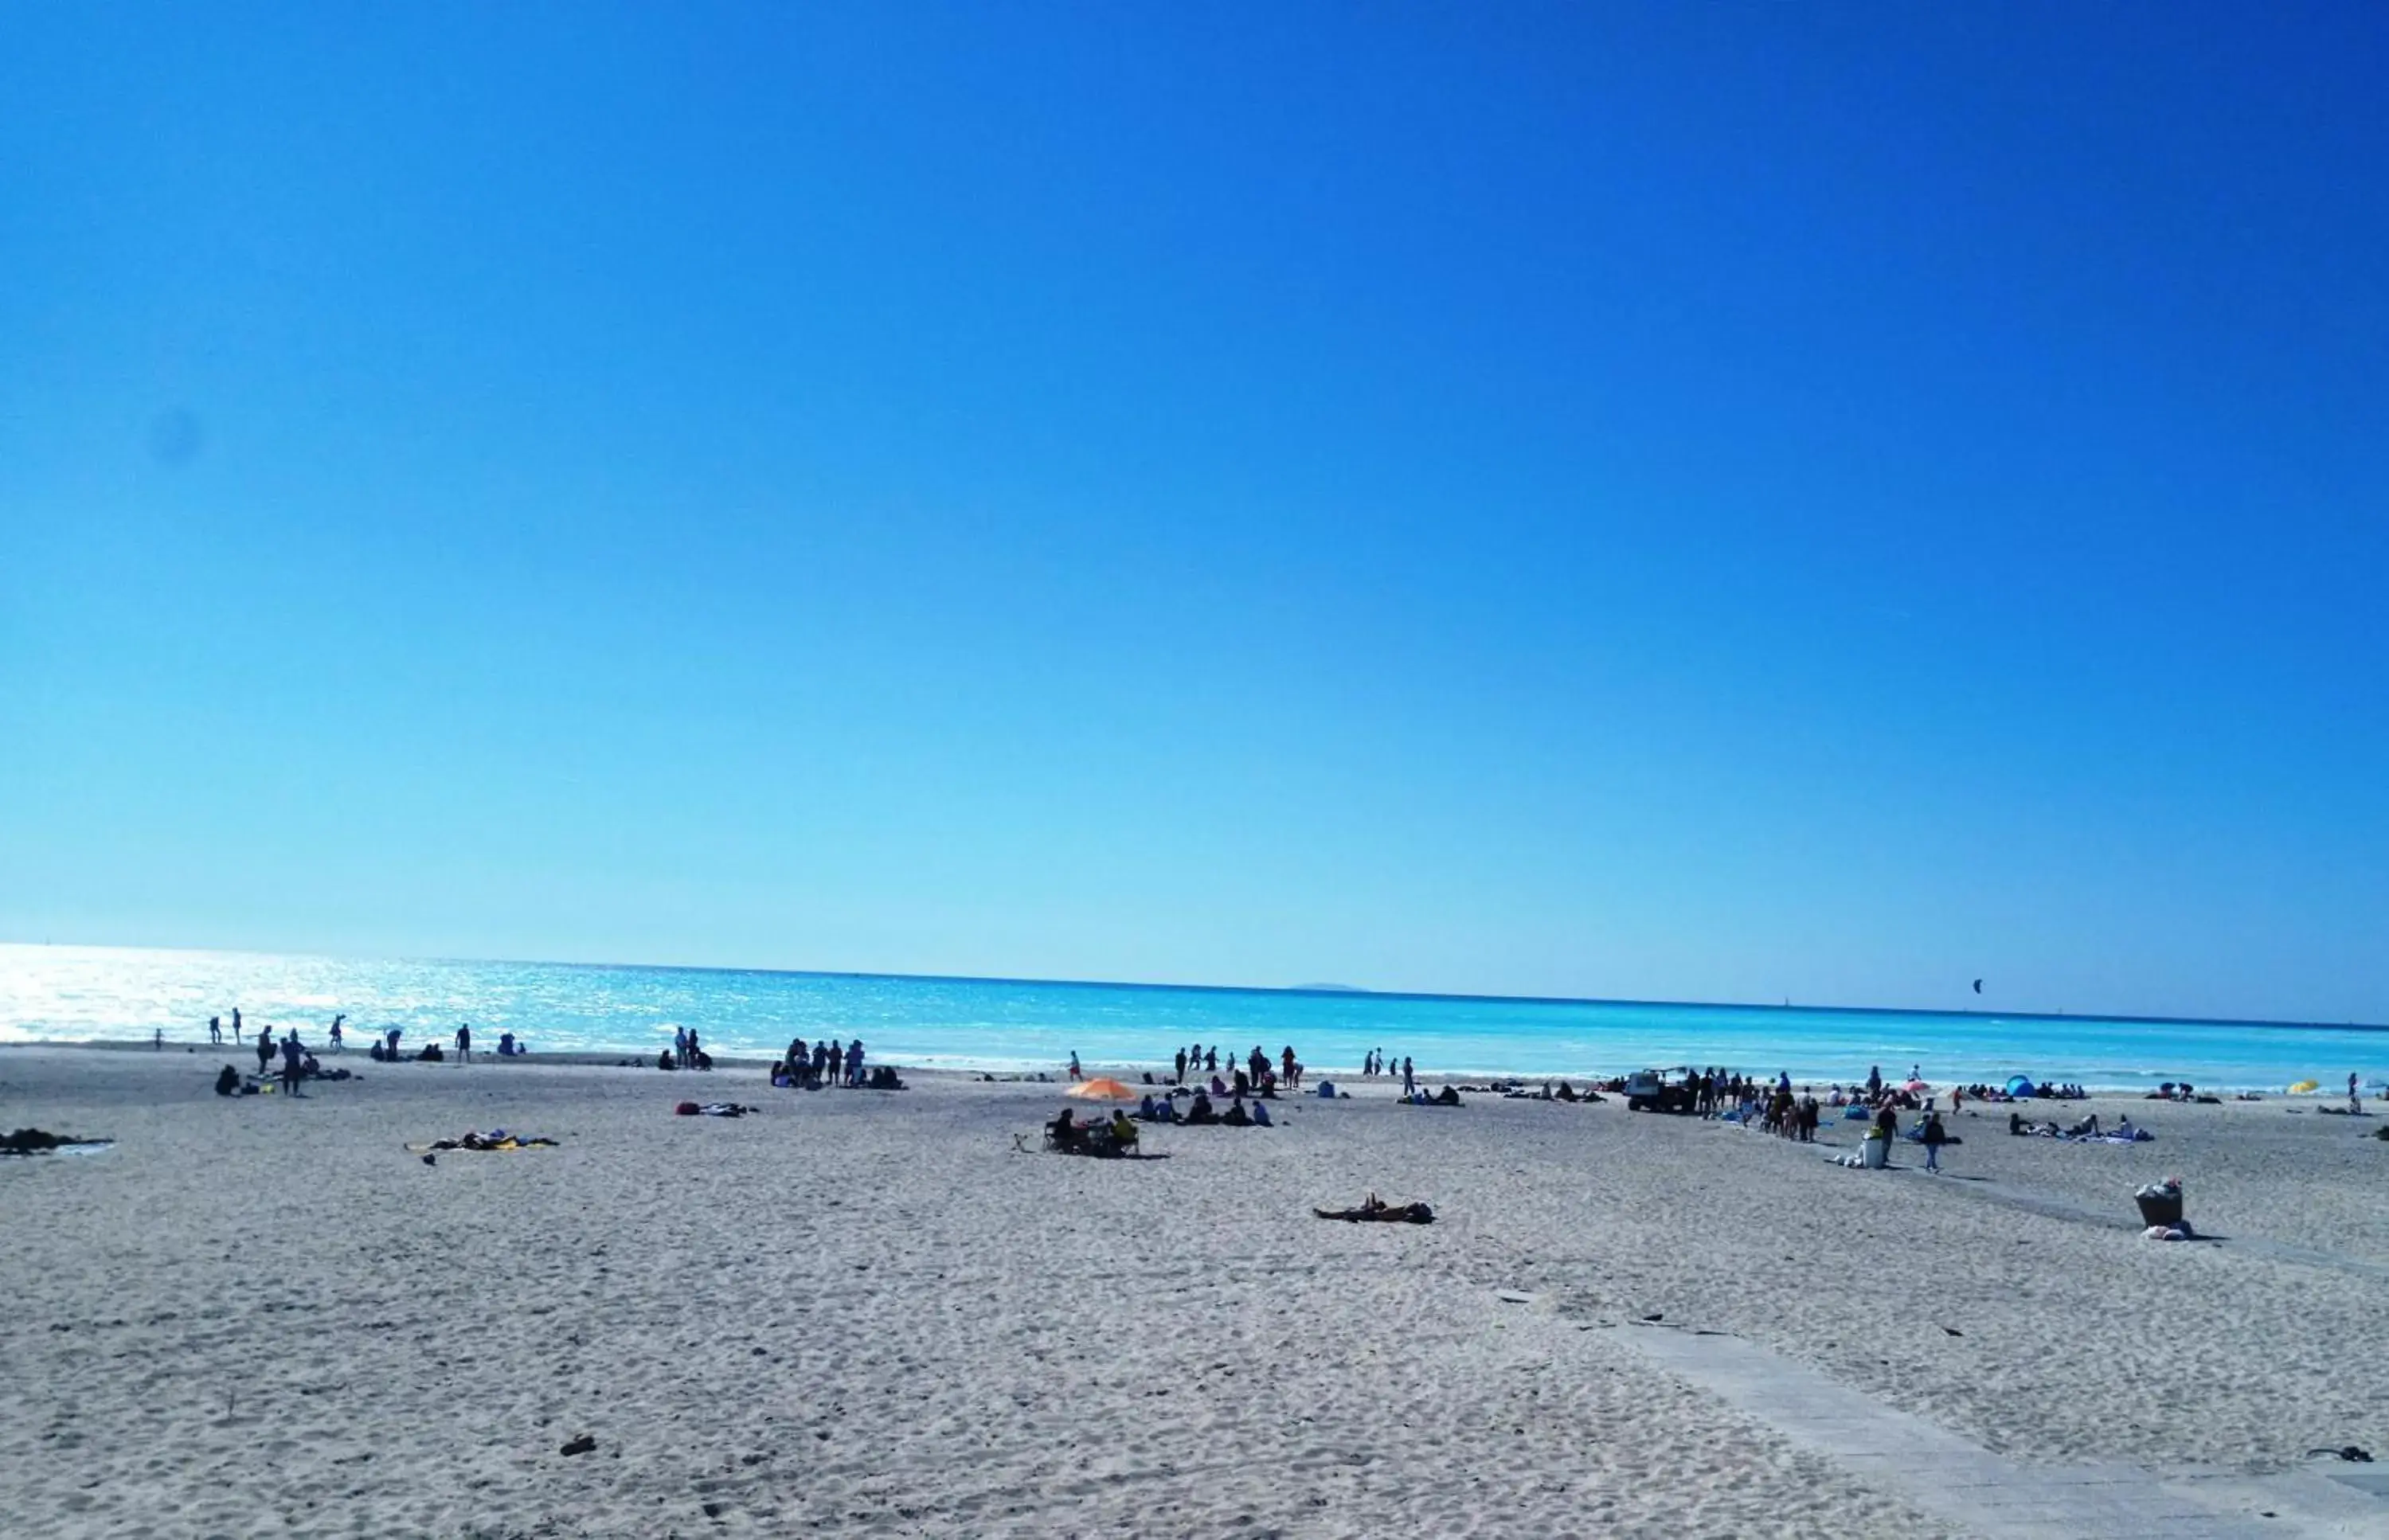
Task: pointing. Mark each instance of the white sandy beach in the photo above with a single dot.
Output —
(860, 1312)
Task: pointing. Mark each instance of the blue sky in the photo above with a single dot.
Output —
(1662, 502)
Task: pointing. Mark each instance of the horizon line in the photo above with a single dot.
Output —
(1327, 991)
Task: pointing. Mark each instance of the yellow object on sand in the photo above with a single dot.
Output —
(2305, 1086)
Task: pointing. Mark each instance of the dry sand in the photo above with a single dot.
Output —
(860, 1313)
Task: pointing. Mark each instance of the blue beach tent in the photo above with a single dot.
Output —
(2020, 1084)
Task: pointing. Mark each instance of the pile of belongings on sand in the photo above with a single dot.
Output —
(1374, 1210)
(41, 1142)
(713, 1109)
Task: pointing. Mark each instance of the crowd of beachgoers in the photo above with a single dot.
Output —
(1218, 1086)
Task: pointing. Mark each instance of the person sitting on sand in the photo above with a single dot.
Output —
(1123, 1131)
(1235, 1116)
(228, 1081)
(2086, 1128)
(1066, 1132)
(1262, 1116)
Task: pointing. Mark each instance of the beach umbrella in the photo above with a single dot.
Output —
(2305, 1086)
(1918, 1086)
(1103, 1089)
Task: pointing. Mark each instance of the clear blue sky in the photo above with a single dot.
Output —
(1677, 501)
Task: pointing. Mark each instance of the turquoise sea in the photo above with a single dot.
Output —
(99, 993)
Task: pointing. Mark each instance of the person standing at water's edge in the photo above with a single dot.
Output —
(215, 1030)
(465, 1042)
(236, 1026)
(1410, 1078)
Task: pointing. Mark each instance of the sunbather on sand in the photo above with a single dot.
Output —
(1374, 1210)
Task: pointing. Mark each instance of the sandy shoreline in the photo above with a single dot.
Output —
(866, 1313)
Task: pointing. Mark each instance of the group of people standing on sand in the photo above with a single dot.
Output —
(1256, 1077)
(1373, 1063)
(827, 1063)
(216, 1030)
(383, 1049)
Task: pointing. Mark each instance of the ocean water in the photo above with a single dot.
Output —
(99, 993)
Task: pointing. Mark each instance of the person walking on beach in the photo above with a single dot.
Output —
(236, 1026)
(1179, 1063)
(680, 1045)
(854, 1062)
(215, 1031)
(1074, 1076)
(463, 1042)
(1934, 1136)
(336, 1030)
(2354, 1107)
(291, 1070)
(264, 1048)
(1409, 1082)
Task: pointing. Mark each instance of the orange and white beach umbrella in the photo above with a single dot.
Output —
(1103, 1089)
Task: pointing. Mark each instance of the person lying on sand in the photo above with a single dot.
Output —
(496, 1138)
(41, 1142)
(1374, 1210)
